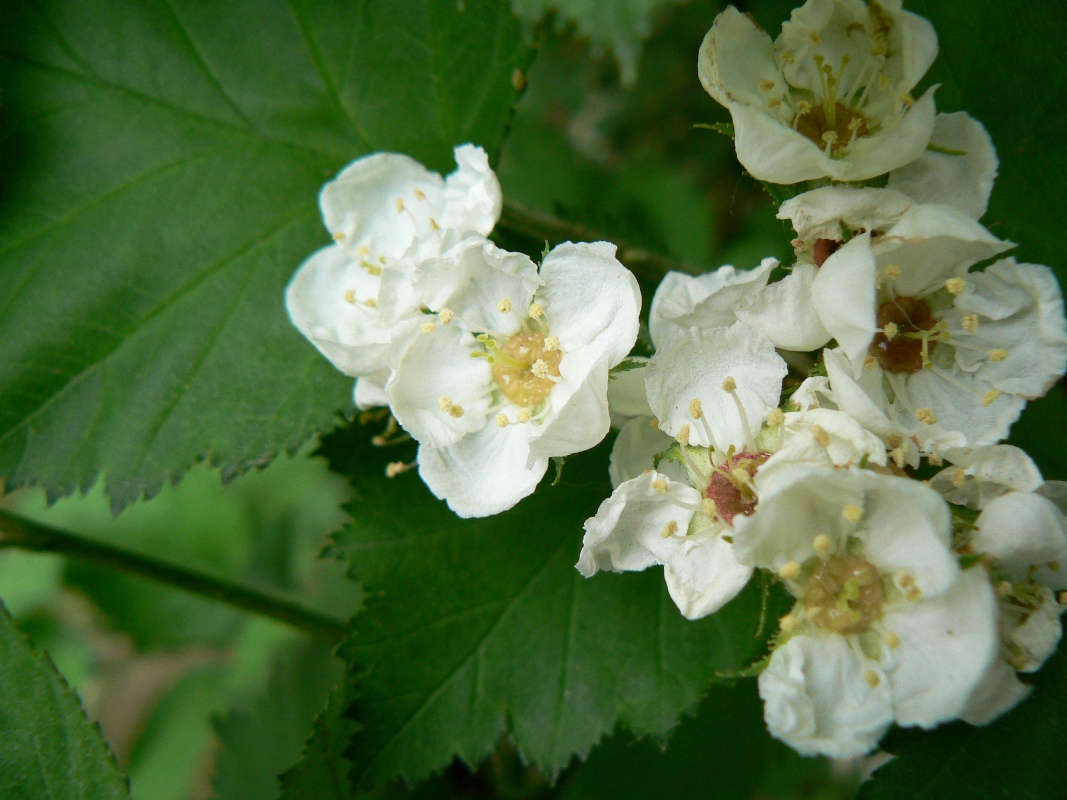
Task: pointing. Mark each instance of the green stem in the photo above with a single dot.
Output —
(18, 531)
(649, 267)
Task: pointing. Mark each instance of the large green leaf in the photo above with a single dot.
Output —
(49, 750)
(161, 164)
(474, 628)
(1018, 756)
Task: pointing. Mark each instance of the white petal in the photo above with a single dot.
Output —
(484, 473)
(783, 312)
(998, 692)
(369, 391)
(734, 57)
(962, 181)
(843, 296)
(703, 575)
(1021, 529)
(352, 335)
(814, 392)
(590, 299)
(472, 196)
(947, 644)
(987, 473)
(817, 698)
(578, 417)
(703, 301)
(1020, 309)
(819, 214)
(626, 394)
(826, 437)
(626, 535)
(373, 205)
(693, 366)
(773, 151)
(473, 279)
(437, 367)
(635, 448)
(1036, 638)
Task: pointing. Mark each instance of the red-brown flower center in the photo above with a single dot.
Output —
(903, 352)
(730, 487)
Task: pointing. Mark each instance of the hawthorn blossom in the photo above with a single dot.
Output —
(886, 627)
(831, 96)
(386, 212)
(513, 368)
(1021, 537)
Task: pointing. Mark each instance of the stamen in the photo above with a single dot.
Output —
(891, 639)
(852, 513)
(830, 137)
(540, 369)
(683, 435)
(926, 415)
(339, 236)
(822, 544)
(955, 285)
(789, 570)
(820, 434)
(990, 397)
(536, 310)
(959, 477)
(501, 420)
(362, 250)
(707, 506)
(1004, 588)
(788, 623)
(524, 415)
(504, 306)
(446, 316)
(456, 411)
(775, 418)
(872, 678)
(427, 327)
(695, 409)
(766, 86)
(659, 486)
(398, 468)
(551, 343)
(371, 302)
(729, 385)
(892, 272)
(434, 225)
(419, 194)
(445, 402)
(870, 362)
(969, 323)
(898, 455)
(669, 529)
(890, 330)
(350, 296)
(998, 355)
(399, 205)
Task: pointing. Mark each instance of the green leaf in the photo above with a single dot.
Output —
(258, 743)
(474, 628)
(620, 25)
(1019, 755)
(163, 165)
(49, 750)
(323, 770)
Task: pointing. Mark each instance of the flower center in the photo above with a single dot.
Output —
(524, 368)
(904, 341)
(832, 125)
(730, 487)
(844, 594)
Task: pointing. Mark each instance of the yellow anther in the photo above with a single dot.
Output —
(653, 422)
(935, 460)
(822, 544)
(820, 434)
(536, 311)
(830, 137)
(870, 362)
(350, 296)
(891, 639)
(456, 411)
(766, 86)
(683, 435)
(1054, 566)
(434, 225)
(883, 82)
(775, 418)
(955, 285)
(446, 316)
(969, 323)
(540, 369)
(420, 195)
(707, 506)
(913, 593)
(399, 204)
(445, 402)
(998, 354)
(696, 411)
(787, 58)
(524, 415)
(852, 513)
(396, 468)
(789, 570)
(990, 397)
(872, 678)
(926, 415)
(898, 454)
(1004, 588)
(551, 343)
(504, 306)
(788, 623)
(892, 272)
(339, 236)
(371, 302)
(669, 529)
(906, 99)
(427, 327)
(1061, 598)
(362, 250)
(729, 385)
(890, 330)
(855, 123)
(659, 486)
(501, 420)
(959, 477)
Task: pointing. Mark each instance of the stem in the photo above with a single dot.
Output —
(649, 267)
(17, 531)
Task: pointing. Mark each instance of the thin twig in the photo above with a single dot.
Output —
(649, 267)
(18, 531)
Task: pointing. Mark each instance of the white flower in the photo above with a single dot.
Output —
(386, 213)
(715, 385)
(831, 96)
(886, 626)
(513, 369)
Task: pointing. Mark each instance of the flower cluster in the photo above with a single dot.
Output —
(493, 365)
(779, 425)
